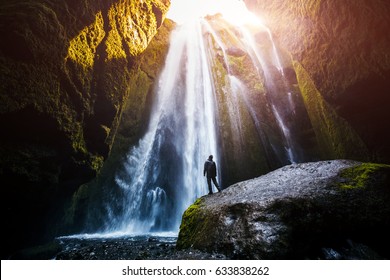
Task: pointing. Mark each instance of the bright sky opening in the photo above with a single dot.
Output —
(233, 11)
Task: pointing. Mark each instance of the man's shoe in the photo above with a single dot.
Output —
(210, 193)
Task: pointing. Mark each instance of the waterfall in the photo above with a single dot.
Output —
(280, 110)
(163, 174)
(203, 105)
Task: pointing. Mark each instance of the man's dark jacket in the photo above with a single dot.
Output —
(210, 168)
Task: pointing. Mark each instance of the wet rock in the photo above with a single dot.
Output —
(344, 48)
(65, 72)
(138, 248)
(233, 51)
(294, 213)
(349, 250)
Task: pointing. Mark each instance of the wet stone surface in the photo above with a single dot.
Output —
(337, 209)
(127, 248)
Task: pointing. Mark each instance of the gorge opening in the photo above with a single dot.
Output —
(223, 91)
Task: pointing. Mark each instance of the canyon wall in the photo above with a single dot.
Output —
(86, 211)
(65, 71)
(75, 87)
(342, 49)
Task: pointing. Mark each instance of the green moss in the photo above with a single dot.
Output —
(132, 26)
(243, 67)
(114, 46)
(78, 204)
(192, 220)
(189, 216)
(138, 27)
(335, 136)
(78, 142)
(97, 162)
(82, 48)
(360, 176)
(163, 6)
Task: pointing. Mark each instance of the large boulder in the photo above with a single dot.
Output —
(298, 211)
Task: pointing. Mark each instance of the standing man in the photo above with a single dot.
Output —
(210, 169)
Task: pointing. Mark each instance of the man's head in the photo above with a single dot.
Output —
(211, 157)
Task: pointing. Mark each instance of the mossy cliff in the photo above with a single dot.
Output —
(253, 106)
(84, 212)
(335, 136)
(65, 79)
(343, 46)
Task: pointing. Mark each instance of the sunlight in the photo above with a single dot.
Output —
(233, 11)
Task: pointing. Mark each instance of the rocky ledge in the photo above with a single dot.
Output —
(329, 209)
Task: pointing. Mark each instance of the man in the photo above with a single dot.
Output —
(210, 169)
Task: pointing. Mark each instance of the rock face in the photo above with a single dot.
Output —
(253, 140)
(343, 48)
(85, 212)
(74, 88)
(65, 72)
(295, 212)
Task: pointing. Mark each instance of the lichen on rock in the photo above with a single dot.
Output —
(362, 175)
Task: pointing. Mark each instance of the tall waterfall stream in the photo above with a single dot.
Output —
(200, 98)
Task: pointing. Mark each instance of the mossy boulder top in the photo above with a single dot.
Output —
(294, 212)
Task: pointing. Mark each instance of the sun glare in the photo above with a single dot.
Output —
(233, 11)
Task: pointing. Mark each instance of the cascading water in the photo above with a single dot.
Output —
(201, 99)
(279, 109)
(163, 174)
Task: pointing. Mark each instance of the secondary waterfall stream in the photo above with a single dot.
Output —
(201, 102)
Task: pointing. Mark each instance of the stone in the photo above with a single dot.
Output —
(295, 212)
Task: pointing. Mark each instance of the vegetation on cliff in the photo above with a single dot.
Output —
(335, 136)
(343, 48)
(337, 44)
(85, 208)
(65, 71)
(76, 86)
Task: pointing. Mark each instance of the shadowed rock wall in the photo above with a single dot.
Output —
(65, 71)
(343, 46)
(86, 211)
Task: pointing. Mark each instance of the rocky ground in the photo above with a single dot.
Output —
(122, 248)
(139, 248)
(151, 248)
